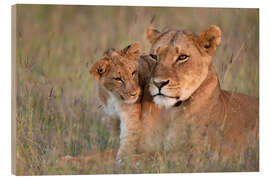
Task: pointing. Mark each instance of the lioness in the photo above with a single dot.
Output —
(120, 91)
(197, 113)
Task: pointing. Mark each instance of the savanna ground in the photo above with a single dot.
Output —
(57, 111)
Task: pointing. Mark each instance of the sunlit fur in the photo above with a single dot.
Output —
(118, 97)
(209, 121)
(118, 71)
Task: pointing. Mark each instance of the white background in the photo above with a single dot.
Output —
(5, 83)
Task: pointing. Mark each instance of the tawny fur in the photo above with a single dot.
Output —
(119, 99)
(209, 120)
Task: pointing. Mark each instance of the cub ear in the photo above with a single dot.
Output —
(132, 51)
(99, 69)
(152, 34)
(210, 39)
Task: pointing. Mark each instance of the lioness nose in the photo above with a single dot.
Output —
(160, 84)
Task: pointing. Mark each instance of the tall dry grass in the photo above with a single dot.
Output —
(57, 111)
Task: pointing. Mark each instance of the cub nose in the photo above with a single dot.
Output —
(160, 84)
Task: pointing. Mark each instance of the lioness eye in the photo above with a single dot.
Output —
(182, 58)
(153, 57)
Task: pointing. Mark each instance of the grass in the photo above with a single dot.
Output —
(57, 111)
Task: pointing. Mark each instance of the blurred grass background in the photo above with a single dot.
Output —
(57, 112)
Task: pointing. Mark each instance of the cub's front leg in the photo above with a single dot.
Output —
(130, 134)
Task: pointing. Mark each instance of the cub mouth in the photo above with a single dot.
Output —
(130, 100)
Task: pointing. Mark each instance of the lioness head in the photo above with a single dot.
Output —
(182, 61)
(117, 71)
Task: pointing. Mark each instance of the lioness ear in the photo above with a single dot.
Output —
(152, 34)
(99, 69)
(132, 51)
(210, 39)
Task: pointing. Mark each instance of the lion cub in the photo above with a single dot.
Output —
(118, 74)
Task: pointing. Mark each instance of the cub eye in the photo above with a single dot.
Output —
(118, 79)
(134, 73)
(153, 57)
(182, 58)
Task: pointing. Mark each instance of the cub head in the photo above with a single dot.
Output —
(182, 62)
(117, 71)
